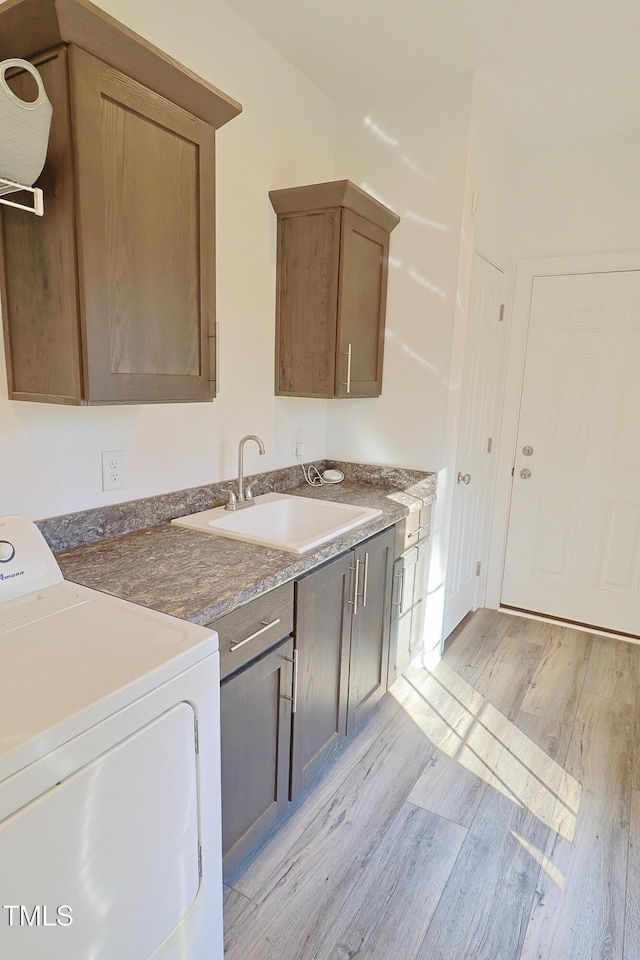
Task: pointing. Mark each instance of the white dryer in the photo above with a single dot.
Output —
(110, 838)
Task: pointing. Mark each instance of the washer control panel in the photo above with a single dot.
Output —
(26, 561)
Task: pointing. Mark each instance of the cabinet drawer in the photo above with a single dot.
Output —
(413, 529)
(253, 628)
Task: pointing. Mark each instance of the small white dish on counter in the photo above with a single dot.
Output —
(281, 521)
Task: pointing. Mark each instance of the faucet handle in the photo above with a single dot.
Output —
(248, 493)
(231, 500)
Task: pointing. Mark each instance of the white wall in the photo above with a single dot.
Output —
(418, 150)
(286, 135)
(495, 162)
(409, 149)
(579, 197)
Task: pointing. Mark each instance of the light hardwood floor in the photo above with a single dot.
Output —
(488, 810)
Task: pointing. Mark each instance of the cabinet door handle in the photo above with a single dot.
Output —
(217, 358)
(263, 629)
(354, 602)
(398, 603)
(347, 383)
(365, 580)
(294, 693)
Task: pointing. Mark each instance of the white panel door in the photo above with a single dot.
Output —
(477, 437)
(573, 547)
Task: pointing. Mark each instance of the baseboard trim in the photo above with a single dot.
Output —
(572, 624)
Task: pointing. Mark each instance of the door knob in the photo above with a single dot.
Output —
(525, 473)
(463, 478)
(527, 451)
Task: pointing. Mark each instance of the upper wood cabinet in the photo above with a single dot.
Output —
(110, 297)
(333, 247)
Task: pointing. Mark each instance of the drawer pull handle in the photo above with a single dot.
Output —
(414, 533)
(263, 629)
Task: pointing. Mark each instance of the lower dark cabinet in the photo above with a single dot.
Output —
(285, 709)
(255, 727)
(342, 644)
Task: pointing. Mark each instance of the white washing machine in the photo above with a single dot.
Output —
(110, 837)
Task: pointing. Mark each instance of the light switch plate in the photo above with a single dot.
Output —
(297, 442)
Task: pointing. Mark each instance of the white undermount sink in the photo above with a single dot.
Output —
(278, 520)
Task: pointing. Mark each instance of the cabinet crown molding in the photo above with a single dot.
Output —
(335, 193)
(30, 27)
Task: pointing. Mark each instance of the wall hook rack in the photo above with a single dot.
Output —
(10, 187)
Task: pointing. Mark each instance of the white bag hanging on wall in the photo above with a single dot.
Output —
(24, 128)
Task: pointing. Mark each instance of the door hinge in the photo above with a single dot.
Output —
(196, 734)
(200, 860)
(489, 444)
(478, 568)
(501, 317)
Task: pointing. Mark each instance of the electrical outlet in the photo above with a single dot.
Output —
(297, 442)
(112, 469)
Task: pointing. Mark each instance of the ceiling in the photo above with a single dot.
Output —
(558, 69)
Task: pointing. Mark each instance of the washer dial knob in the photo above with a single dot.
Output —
(7, 551)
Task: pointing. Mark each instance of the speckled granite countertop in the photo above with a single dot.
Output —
(200, 577)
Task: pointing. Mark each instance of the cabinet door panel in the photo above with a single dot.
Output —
(306, 303)
(322, 641)
(255, 730)
(420, 594)
(404, 576)
(370, 625)
(156, 205)
(146, 205)
(361, 311)
(408, 608)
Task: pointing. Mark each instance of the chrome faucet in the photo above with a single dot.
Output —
(242, 498)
